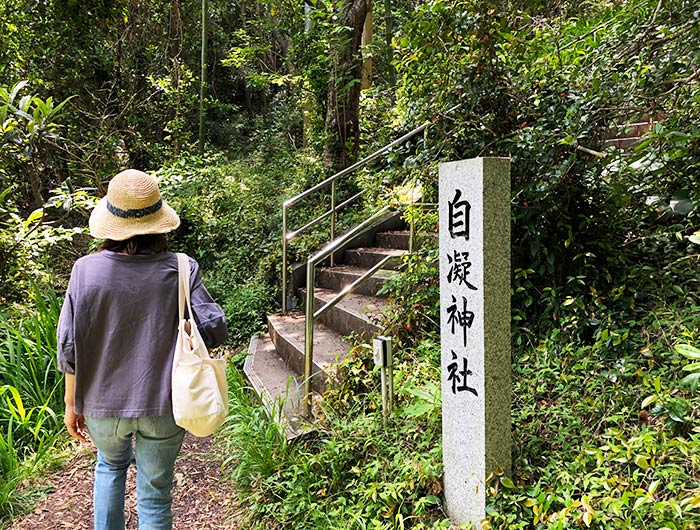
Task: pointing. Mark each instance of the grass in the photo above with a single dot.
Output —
(350, 473)
(30, 397)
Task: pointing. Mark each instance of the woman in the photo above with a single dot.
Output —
(116, 337)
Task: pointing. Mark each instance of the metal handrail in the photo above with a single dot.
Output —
(350, 288)
(322, 217)
(360, 163)
(333, 246)
(286, 205)
(311, 280)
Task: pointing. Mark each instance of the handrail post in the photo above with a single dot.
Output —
(333, 191)
(309, 335)
(284, 259)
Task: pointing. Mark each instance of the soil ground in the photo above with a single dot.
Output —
(202, 499)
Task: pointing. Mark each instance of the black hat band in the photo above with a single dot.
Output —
(135, 213)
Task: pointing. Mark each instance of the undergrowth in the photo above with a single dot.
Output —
(605, 435)
(351, 472)
(31, 399)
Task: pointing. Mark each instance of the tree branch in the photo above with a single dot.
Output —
(589, 151)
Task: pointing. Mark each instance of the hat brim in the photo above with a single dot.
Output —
(105, 225)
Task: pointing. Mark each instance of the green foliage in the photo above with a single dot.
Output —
(351, 474)
(253, 441)
(27, 129)
(178, 97)
(30, 395)
(548, 92)
(231, 218)
(624, 482)
(250, 56)
(244, 306)
(32, 248)
(34, 221)
(606, 433)
(417, 291)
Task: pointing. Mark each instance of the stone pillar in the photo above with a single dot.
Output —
(474, 206)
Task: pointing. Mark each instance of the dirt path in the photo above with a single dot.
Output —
(202, 500)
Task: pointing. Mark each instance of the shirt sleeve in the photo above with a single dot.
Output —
(65, 351)
(209, 317)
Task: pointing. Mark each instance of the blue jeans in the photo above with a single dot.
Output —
(158, 442)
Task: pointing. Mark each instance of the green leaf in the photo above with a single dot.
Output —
(692, 367)
(653, 486)
(34, 216)
(58, 107)
(692, 381)
(648, 401)
(507, 483)
(642, 462)
(24, 104)
(642, 500)
(676, 411)
(15, 90)
(18, 406)
(418, 409)
(24, 115)
(687, 350)
(419, 393)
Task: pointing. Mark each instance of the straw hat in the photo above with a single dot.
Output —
(133, 206)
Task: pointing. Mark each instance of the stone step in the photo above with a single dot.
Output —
(368, 257)
(356, 313)
(397, 239)
(337, 278)
(288, 335)
(280, 390)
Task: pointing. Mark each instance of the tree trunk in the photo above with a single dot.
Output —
(343, 111)
(366, 52)
(174, 52)
(203, 75)
(389, 24)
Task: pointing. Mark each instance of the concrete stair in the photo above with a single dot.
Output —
(275, 362)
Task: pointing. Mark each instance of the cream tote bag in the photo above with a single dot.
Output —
(200, 392)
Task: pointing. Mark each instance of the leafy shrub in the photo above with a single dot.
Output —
(351, 473)
(30, 394)
(231, 223)
(35, 220)
(244, 306)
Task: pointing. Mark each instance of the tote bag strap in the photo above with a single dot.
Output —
(183, 270)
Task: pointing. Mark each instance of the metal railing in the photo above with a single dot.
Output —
(312, 315)
(288, 235)
(334, 245)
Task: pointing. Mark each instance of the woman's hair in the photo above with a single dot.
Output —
(141, 244)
